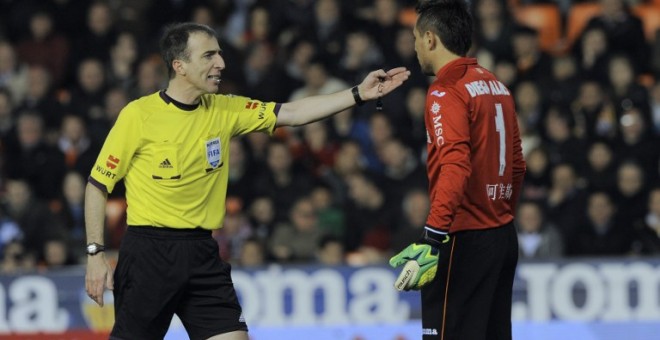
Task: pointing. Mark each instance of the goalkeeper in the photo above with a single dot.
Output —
(464, 262)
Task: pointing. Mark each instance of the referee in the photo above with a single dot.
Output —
(170, 148)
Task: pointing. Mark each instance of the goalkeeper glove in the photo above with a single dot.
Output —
(421, 260)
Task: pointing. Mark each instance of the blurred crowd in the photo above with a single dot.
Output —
(348, 190)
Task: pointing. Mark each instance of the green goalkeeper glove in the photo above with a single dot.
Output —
(421, 260)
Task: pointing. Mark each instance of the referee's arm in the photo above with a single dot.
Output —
(375, 85)
(99, 273)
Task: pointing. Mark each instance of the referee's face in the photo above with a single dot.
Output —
(203, 71)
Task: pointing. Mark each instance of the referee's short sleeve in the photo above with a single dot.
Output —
(250, 115)
(118, 149)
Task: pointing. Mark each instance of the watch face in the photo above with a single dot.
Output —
(94, 248)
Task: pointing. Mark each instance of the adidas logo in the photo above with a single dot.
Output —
(165, 164)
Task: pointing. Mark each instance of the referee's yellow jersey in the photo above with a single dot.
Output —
(174, 157)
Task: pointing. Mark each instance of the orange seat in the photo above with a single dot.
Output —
(650, 16)
(546, 19)
(579, 15)
(407, 16)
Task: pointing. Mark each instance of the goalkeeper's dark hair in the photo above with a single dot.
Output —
(174, 43)
(448, 19)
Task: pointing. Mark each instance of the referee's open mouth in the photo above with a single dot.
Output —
(215, 78)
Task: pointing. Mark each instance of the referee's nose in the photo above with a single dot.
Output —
(219, 62)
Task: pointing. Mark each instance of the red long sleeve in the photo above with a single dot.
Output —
(475, 164)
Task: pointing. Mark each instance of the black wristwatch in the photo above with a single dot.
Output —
(94, 248)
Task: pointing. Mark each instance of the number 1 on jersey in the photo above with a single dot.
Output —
(499, 127)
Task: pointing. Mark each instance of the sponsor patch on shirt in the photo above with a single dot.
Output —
(112, 162)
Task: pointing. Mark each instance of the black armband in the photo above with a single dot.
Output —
(356, 96)
(434, 237)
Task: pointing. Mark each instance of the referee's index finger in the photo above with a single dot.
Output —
(396, 71)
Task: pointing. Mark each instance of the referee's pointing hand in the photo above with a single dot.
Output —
(379, 83)
(98, 277)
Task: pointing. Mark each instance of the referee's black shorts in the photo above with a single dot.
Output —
(163, 271)
(470, 297)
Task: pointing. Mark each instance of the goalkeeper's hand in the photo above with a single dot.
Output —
(420, 259)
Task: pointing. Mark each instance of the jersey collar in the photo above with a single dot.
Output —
(455, 69)
(169, 100)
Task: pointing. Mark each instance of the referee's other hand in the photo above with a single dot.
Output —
(98, 277)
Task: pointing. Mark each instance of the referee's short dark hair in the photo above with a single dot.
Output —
(174, 43)
(448, 19)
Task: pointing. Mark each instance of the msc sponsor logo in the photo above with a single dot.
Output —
(437, 124)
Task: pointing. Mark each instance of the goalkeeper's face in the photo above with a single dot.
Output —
(203, 68)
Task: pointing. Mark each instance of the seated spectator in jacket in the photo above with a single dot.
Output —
(297, 240)
(646, 239)
(601, 233)
(537, 238)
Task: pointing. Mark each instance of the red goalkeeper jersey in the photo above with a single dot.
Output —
(475, 164)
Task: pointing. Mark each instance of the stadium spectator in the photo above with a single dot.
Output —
(77, 148)
(565, 200)
(348, 161)
(655, 107)
(241, 172)
(262, 217)
(533, 63)
(86, 97)
(124, 56)
(594, 113)
(253, 253)
(282, 180)
(32, 215)
(98, 34)
(6, 115)
(296, 240)
(625, 92)
(647, 229)
(40, 98)
(69, 211)
(370, 217)
(402, 170)
(592, 55)
(330, 251)
(44, 37)
(412, 218)
(494, 27)
(16, 259)
(330, 215)
(29, 157)
(631, 193)
(13, 73)
(537, 238)
(601, 232)
(529, 105)
(623, 30)
(601, 168)
(559, 140)
(537, 181)
(318, 151)
(235, 230)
